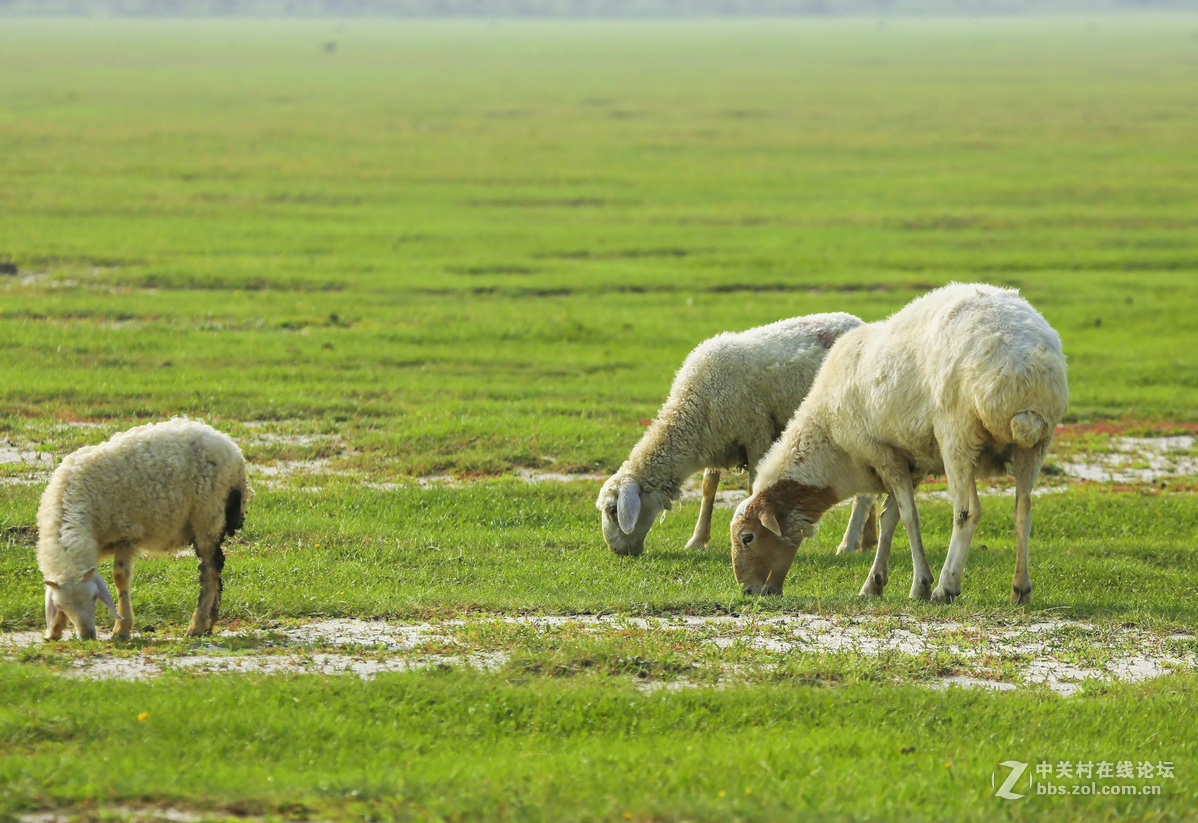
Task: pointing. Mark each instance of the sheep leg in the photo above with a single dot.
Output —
(711, 482)
(857, 535)
(900, 486)
(967, 512)
(122, 573)
(212, 562)
(869, 535)
(55, 630)
(879, 574)
(1027, 466)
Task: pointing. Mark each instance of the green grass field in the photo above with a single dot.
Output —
(469, 248)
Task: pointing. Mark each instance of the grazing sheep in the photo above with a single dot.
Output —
(966, 380)
(730, 400)
(154, 488)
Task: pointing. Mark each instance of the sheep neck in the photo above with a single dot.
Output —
(662, 460)
(61, 563)
(813, 460)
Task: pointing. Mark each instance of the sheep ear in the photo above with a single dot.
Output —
(50, 584)
(51, 606)
(628, 506)
(768, 520)
(87, 575)
(104, 595)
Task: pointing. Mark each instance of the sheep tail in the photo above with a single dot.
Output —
(234, 519)
(1028, 428)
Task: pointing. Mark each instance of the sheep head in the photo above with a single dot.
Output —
(768, 528)
(627, 512)
(77, 598)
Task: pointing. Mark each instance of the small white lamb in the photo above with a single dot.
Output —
(966, 380)
(730, 400)
(155, 488)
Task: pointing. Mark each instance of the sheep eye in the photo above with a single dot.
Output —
(611, 512)
(746, 537)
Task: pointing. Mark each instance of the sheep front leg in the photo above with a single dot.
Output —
(860, 533)
(879, 573)
(122, 573)
(967, 512)
(212, 562)
(711, 482)
(55, 629)
(1027, 466)
(900, 486)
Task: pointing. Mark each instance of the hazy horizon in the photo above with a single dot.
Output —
(581, 8)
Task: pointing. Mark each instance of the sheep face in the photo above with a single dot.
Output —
(767, 530)
(77, 599)
(627, 512)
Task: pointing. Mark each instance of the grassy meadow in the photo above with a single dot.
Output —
(374, 251)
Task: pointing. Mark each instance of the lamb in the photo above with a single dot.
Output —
(729, 401)
(968, 380)
(155, 488)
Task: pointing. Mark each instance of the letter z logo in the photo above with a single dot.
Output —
(1017, 770)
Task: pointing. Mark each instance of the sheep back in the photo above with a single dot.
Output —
(972, 359)
(742, 388)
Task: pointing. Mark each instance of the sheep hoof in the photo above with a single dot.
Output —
(873, 587)
(1021, 596)
(845, 548)
(943, 597)
(697, 542)
(921, 590)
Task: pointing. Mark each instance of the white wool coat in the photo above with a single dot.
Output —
(157, 487)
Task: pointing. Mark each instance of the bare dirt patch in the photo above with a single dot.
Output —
(28, 466)
(1135, 459)
(1060, 654)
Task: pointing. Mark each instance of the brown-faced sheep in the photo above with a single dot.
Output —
(967, 380)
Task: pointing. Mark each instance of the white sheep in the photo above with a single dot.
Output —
(730, 400)
(966, 380)
(155, 488)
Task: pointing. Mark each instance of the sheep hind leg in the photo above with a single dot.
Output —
(879, 573)
(967, 512)
(860, 532)
(122, 573)
(1027, 467)
(212, 563)
(711, 482)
